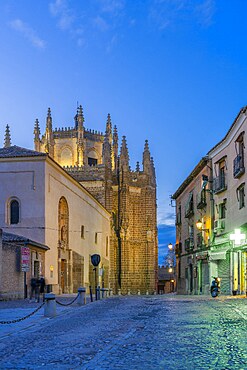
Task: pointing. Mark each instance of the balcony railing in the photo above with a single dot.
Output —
(201, 201)
(238, 166)
(220, 183)
(189, 244)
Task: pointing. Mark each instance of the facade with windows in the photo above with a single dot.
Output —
(41, 201)
(223, 220)
(228, 256)
(193, 204)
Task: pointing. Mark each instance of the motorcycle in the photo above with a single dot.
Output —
(215, 287)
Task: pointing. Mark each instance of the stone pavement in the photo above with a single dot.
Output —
(136, 332)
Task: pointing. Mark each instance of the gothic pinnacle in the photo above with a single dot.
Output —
(7, 139)
(115, 135)
(146, 158)
(137, 166)
(49, 120)
(108, 124)
(80, 113)
(36, 128)
(124, 154)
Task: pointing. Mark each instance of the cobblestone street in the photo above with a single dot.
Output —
(154, 332)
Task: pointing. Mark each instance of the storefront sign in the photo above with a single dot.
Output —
(25, 259)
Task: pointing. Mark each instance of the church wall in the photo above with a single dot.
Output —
(23, 180)
(83, 211)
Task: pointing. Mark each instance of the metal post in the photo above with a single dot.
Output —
(25, 284)
(50, 305)
(95, 283)
(91, 293)
(82, 296)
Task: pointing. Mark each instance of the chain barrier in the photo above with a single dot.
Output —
(22, 318)
(67, 304)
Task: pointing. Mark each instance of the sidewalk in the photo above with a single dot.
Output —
(17, 309)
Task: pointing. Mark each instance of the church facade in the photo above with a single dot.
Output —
(101, 165)
(42, 205)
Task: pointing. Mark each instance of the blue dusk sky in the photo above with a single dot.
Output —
(170, 71)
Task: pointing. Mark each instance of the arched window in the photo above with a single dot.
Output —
(63, 222)
(14, 212)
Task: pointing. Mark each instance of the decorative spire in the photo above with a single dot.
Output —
(49, 120)
(115, 136)
(124, 154)
(49, 141)
(80, 116)
(7, 139)
(108, 126)
(36, 129)
(146, 159)
(137, 166)
(115, 147)
(80, 136)
(36, 135)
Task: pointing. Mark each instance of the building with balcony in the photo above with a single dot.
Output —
(194, 203)
(214, 193)
(228, 256)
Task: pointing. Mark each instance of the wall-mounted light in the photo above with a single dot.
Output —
(199, 226)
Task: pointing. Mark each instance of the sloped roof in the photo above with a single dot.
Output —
(16, 151)
(13, 238)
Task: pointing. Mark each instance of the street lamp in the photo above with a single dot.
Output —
(199, 226)
(170, 246)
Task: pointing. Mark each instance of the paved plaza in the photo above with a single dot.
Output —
(136, 332)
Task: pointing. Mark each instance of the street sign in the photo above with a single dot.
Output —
(25, 259)
(95, 259)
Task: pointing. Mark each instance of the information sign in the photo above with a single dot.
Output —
(25, 259)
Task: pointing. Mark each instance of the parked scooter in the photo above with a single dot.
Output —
(215, 287)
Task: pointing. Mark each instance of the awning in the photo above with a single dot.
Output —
(220, 255)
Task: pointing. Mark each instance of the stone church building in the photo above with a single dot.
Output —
(94, 160)
(100, 165)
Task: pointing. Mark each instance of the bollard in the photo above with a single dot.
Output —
(110, 292)
(50, 305)
(82, 296)
(155, 292)
(138, 292)
(104, 292)
(128, 291)
(97, 293)
(119, 291)
(147, 292)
